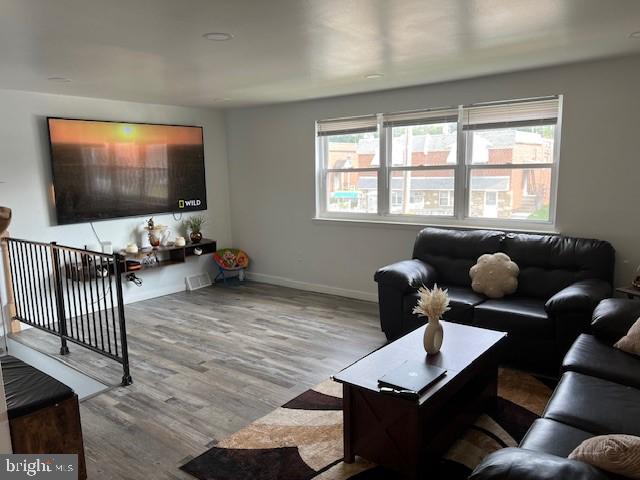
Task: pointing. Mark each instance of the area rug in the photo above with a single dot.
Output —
(303, 439)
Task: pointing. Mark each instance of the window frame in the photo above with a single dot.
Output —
(390, 168)
(462, 177)
(449, 197)
(553, 167)
(391, 192)
(322, 173)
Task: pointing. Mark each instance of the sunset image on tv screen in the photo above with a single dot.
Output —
(106, 169)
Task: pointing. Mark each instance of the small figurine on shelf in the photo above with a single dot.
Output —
(194, 224)
(156, 233)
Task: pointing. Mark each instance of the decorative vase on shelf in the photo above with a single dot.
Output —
(432, 303)
(195, 224)
(158, 234)
(433, 336)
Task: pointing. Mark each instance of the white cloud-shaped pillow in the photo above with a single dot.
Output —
(495, 275)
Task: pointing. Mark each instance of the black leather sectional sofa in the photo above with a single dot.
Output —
(598, 393)
(561, 281)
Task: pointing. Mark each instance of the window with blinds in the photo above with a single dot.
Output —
(491, 164)
(350, 165)
(510, 156)
(422, 161)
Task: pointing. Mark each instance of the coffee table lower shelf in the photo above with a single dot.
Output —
(408, 437)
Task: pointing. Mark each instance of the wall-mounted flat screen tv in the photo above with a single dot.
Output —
(104, 170)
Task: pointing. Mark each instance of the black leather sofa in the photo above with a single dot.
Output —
(561, 281)
(598, 393)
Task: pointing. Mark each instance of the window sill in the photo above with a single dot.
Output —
(412, 225)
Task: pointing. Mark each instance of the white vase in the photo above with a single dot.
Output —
(433, 335)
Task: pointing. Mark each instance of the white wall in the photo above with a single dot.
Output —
(25, 169)
(271, 161)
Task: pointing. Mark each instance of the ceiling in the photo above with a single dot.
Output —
(283, 50)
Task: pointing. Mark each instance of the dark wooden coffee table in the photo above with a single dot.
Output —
(411, 435)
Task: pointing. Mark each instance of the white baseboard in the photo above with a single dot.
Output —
(147, 293)
(312, 287)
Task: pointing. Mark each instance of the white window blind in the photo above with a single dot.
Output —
(420, 117)
(341, 126)
(505, 115)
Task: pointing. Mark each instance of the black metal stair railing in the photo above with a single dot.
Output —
(72, 293)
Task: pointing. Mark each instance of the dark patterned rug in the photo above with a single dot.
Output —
(303, 439)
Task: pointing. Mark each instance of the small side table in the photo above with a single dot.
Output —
(630, 291)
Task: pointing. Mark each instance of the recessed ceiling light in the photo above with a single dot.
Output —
(221, 99)
(374, 76)
(635, 35)
(218, 36)
(59, 79)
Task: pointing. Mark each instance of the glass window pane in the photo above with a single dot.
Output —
(432, 144)
(422, 192)
(357, 150)
(511, 145)
(510, 193)
(355, 192)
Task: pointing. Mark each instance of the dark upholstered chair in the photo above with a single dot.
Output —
(561, 281)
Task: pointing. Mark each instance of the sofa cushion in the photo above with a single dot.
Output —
(494, 275)
(553, 437)
(590, 356)
(595, 405)
(630, 343)
(461, 301)
(549, 263)
(520, 316)
(453, 252)
(521, 464)
(619, 454)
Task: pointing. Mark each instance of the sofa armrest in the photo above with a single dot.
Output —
(582, 296)
(521, 464)
(613, 318)
(406, 275)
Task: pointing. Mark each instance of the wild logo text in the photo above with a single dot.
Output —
(189, 203)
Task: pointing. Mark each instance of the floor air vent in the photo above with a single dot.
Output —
(194, 282)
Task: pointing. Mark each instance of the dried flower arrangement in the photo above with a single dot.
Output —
(432, 303)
